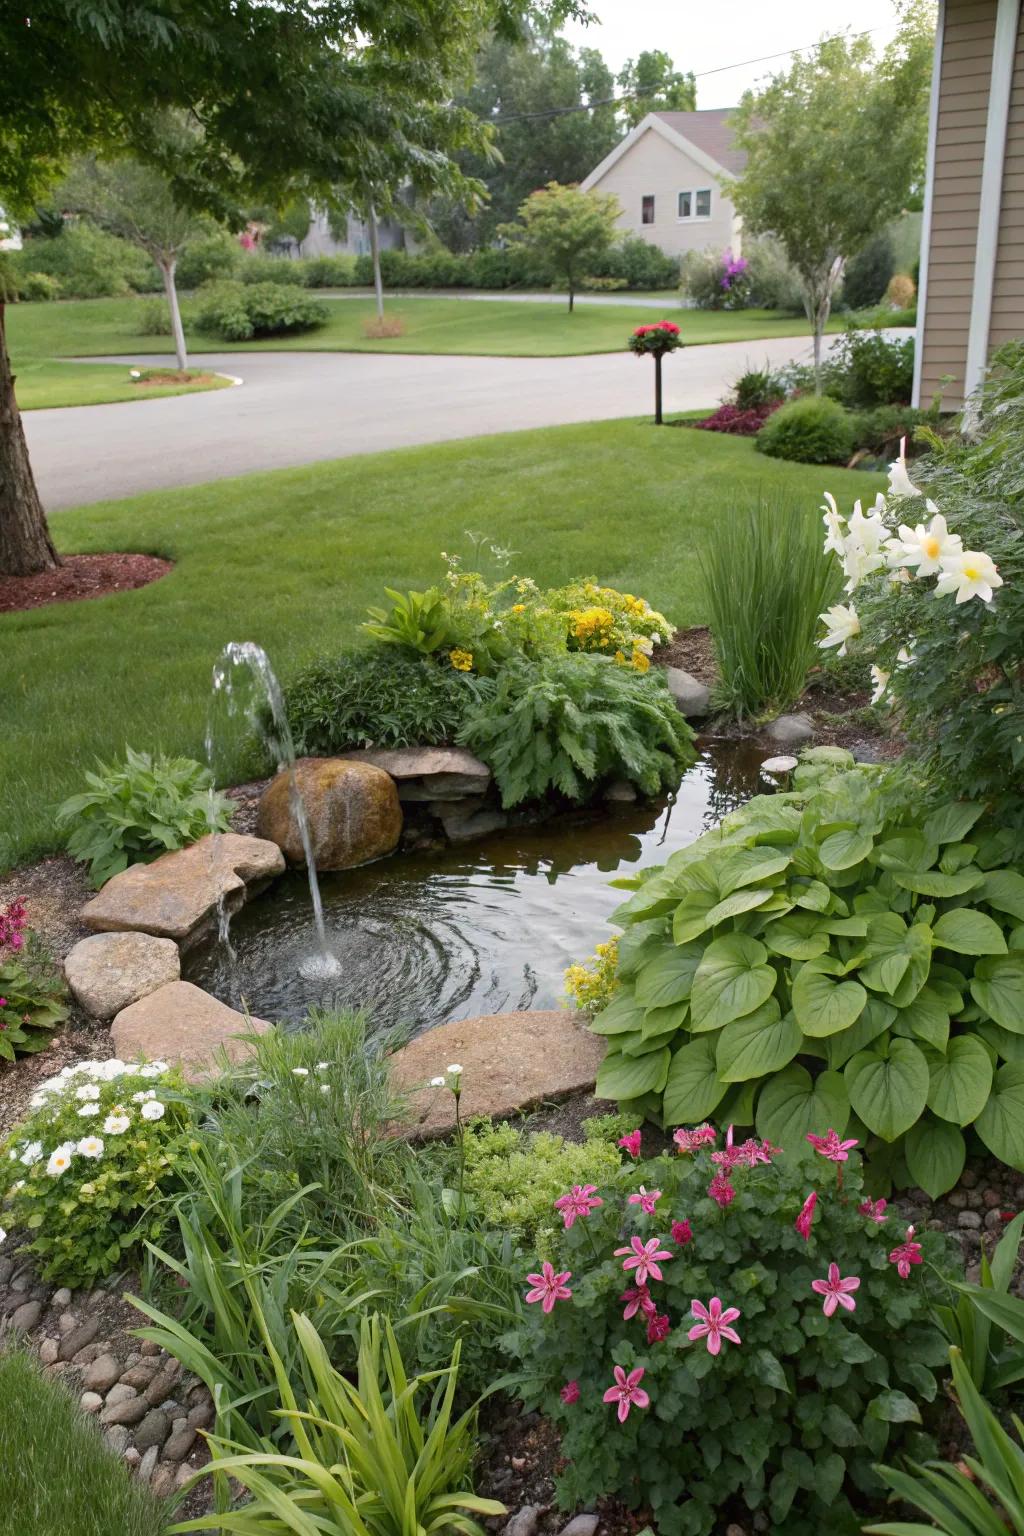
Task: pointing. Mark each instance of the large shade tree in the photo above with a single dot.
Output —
(284, 98)
(835, 149)
(651, 83)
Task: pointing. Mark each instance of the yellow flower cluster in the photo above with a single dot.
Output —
(462, 661)
(592, 627)
(638, 661)
(591, 987)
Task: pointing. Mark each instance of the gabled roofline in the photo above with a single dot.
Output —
(653, 123)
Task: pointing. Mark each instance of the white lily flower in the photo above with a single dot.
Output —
(842, 624)
(925, 547)
(3, 1236)
(833, 520)
(90, 1146)
(900, 483)
(905, 655)
(970, 573)
(879, 683)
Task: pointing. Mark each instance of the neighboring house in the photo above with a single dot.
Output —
(971, 290)
(321, 242)
(10, 235)
(671, 174)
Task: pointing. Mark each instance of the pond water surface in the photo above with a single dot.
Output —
(479, 927)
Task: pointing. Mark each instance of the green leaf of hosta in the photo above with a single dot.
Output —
(799, 936)
(876, 1018)
(749, 866)
(740, 901)
(731, 980)
(935, 1152)
(669, 977)
(1001, 1123)
(894, 1408)
(1004, 890)
(791, 1104)
(1007, 1045)
(952, 822)
(967, 932)
(888, 1092)
(760, 1043)
(998, 987)
(932, 882)
(842, 850)
(629, 1077)
(693, 1088)
(822, 1005)
(961, 1081)
(622, 1014)
(927, 1018)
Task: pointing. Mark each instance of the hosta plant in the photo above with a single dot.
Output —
(82, 1176)
(730, 1329)
(841, 954)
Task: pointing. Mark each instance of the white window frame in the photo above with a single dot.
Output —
(693, 216)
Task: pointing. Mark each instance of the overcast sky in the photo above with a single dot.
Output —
(717, 33)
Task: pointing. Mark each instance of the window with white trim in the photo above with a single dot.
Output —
(647, 209)
(694, 204)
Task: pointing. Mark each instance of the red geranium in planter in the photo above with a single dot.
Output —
(655, 341)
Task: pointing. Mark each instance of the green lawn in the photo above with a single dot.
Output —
(90, 327)
(42, 384)
(291, 559)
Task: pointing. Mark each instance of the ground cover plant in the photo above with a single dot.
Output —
(373, 697)
(32, 990)
(775, 1339)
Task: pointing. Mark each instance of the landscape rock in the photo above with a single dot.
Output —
(524, 1521)
(128, 1412)
(177, 896)
(61, 1298)
(791, 730)
(161, 1385)
(778, 767)
(163, 1481)
(48, 1351)
(120, 1392)
(108, 971)
(26, 1316)
(148, 1463)
(509, 1062)
(352, 811)
(140, 1375)
(428, 773)
(78, 1337)
(117, 1438)
(92, 1402)
(463, 820)
(153, 1430)
(692, 698)
(180, 1443)
(620, 790)
(582, 1525)
(102, 1374)
(183, 1025)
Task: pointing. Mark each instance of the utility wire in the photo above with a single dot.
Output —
(614, 101)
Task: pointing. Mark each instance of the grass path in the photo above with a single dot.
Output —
(291, 559)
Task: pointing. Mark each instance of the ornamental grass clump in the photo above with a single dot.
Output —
(729, 1329)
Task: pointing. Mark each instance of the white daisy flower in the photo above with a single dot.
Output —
(90, 1146)
(90, 1107)
(152, 1069)
(60, 1160)
(153, 1110)
(32, 1153)
(88, 1091)
(116, 1125)
(455, 1070)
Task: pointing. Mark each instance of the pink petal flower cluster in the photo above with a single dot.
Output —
(627, 1392)
(658, 1328)
(681, 1233)
(713, 1324)
(874, 1210)
(570, 1393)
(638, 1299)
(646, 1200)
(547, 1287)
(692, 1141)
(631, 1142)
(749, 1153)
(831, 1147)
(836, 1291)
(578, 1203)
(644, 1258)
(13, 921)
(805, 1220)
(906, 1254)
(721, 1190)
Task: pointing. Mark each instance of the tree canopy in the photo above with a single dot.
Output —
(566, 230)
(653, 84)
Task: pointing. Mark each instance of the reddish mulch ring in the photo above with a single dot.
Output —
(79, 577)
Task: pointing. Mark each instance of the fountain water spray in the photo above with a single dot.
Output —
(242, 662)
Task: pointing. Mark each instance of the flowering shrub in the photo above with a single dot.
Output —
(655, 340)
(80, 1176)
(840, 951)
(31, 988)
(702, 1340)
(514, 1179)
(603, 619)
(592, 987)
(716, 279)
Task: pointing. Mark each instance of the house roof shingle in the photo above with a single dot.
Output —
(710, 131)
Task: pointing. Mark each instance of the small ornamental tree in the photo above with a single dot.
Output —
(655, 341)
(731, 1328)
(566, 231)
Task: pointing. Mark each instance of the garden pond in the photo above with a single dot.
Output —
(478, 927)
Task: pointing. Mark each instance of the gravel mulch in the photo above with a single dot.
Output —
(78, 577)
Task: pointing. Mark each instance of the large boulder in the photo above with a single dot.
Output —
(692, 698)
(352, 811)
(185, 1026)
(178, 895)
(108, 971)
(428, 773)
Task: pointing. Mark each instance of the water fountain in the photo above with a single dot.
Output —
(244, 679)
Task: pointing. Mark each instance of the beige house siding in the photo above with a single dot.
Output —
(653, 166)
(1008, 288)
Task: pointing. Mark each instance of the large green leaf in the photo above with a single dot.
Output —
(811, 894)
(841, 850)
(760, 1043)
(952, 822)
(693, 1088)
(967, 932)
(669, 977)
(1006, 1044)
(1001, 1123)
(792, 1103)
(935, 1153)
(897, 958)
(731, 980)
(927, 1018)
(1004, 890)
(690, 918)
(932, 882)
(876, 1018)
(888, 1092)
(629, 1077)
(622, 1014)
(961, 1081)
(823, 1005)
(749, 866)
(738, 903)
(798, 936)
(998, 987)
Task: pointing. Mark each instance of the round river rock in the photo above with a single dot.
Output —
(352, 810)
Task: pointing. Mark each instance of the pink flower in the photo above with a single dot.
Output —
(627, 1392)
(631, 1142)
(805, 1220)
(658, 1328)
(837, 1292)
(3, 1002)
(570, 1393)
(681, 1233)
(755, 1152)
(637, 1299)
(831, 1147)
(549, 1287)
(726, 1160)
(691, 1141)
(579, 1202)
(643, 1257)
(905, 1255)
(646, 1200)
(874, 1210)
(721, 1191)
(714, 1323)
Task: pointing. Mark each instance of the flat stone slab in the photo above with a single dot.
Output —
(692, 698)
(176, 896)
(108, 971)
(183, 1025)
(428, 773)
(509, 1061)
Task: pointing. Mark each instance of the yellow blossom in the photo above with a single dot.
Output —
(640, 662)
(518, 607)
(620, 657)
(462, 661)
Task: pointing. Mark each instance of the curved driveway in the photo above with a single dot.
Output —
(299, 407)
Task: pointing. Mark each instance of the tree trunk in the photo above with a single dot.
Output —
(378, 281)
(177, 329)
(657, 389)
(25, 543)
(572, 295)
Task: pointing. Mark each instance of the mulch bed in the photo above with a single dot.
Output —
(79, 577)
